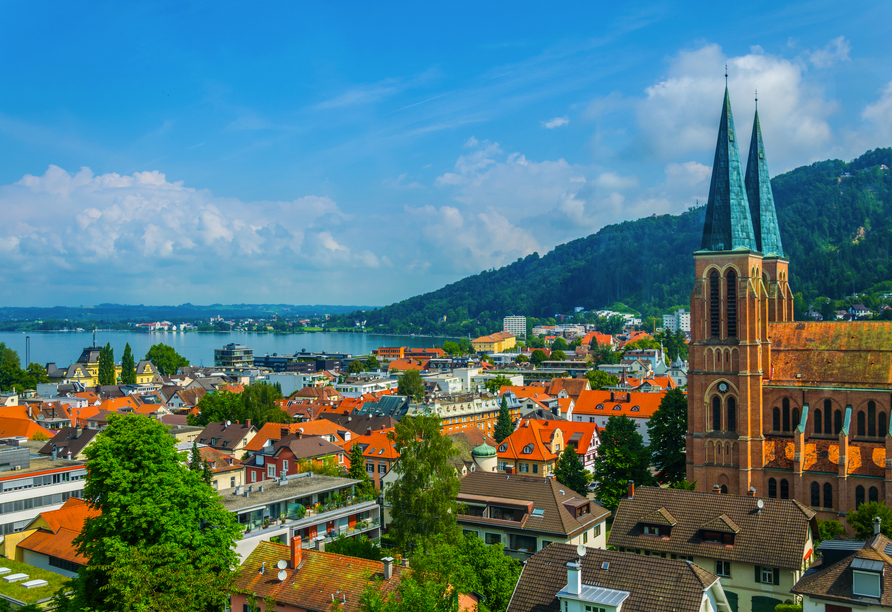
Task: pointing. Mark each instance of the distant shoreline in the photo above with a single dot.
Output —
(260, 333)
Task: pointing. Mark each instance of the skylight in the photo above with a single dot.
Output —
(538, 512)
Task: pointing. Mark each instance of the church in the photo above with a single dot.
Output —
(777, 408)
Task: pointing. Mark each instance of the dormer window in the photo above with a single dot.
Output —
(503, 448)
(716, 537)
(599, 407)
(652, 530)
(867, 577)
(528, 449)
(617, 407)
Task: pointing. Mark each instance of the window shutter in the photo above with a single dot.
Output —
(758, 574)
(776, 576)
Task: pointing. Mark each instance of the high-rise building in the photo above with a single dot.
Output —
(678, 320)
(777, 407)
(234, 356)
(515, 325)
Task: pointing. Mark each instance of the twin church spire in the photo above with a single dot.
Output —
(740, 212)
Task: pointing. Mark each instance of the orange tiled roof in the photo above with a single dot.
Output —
(82, 414)
(14, 412)
(115, 404)
(231, 388)
(379, 445)
(320, 427)
(90, 396)
(10, 427)
(71, 515)
(59, 545)
(532, 434)
(646, 403)
(587, 431)
(533, 392)
(573, 386)
(496, 337)
(408, 364)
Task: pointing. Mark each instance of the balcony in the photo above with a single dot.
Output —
(266, 528)
(346, 531)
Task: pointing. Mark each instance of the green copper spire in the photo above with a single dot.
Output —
(761, 198)
(729, 225)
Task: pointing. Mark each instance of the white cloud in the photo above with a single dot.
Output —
(400, 184)
(837, 50)
(556, 122)
(879, 114)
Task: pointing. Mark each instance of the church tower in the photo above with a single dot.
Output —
(730, 311)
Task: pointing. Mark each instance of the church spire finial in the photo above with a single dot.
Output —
(757, 100)
(726, 76)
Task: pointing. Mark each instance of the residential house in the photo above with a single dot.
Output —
(178, 398)
(356, 387)
(853, 575)
(84, 371)
(498, 342)
(286, 456)
(399, 367)
(312, 580)
(859, 311)
(22, 428)
(572, 387)
(535, 446)
(306, 505)
(69, 443)
(228, 437)
(678, 372)
(358, 424)
(273, 432)
(146, 373)
(760, 548)
(395, 406)
(526, 514)
(559, 579)
(462, 410)
(475, 451)
(379, 454)
(598, 406)
(227, 472)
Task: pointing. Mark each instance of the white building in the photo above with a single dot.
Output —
(292, 381)
(678, 320)
(515, 325)
(357, 388)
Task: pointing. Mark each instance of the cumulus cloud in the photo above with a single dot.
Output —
(556, 122)
(879, 113)
(680, 114)
(837, 50)
(64, 229)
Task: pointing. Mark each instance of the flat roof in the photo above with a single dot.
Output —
(274, 492)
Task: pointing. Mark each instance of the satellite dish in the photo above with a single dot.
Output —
(282, 575)
(760, 504)
(228, 423)
(282, 564)
(580, 550)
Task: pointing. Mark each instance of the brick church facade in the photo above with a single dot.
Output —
(776, 407)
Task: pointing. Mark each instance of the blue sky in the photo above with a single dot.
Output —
(307, 153)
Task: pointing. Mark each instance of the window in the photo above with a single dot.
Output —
(828, 408)
(732, 414)
(723, 568)
(837, 422)
(785, 489)
(502, 466)
(815, 495)
(716, 413)
(861, 425)
(828, 495)
(215, 485)
(775, 419)
(881, 424)
(492, 538)
(714, 321)
(772, 488)
(585, 537)
(786, 414)
(732, 305)
(523, 467)
(818, 428)
(253, 475)
(859, 496)
(382, 468)
(866, 584)
(285, 465)
(650, 530)
(370, 468)
(795, 417)
(589, 608)
(871, 419)
(535, 468)
(466, 532)
(64, 564)
(767, 575)
(724, 489)
(271, 471)
(873, 495)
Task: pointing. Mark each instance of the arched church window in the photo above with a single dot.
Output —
(859, 496)
(731, 304)
(714, 314)
(785, 489)
(828, 409)
(871, 418)
(828, 495)
(732, 414)
(724, 489)
(795, 418)
(775, 419)
(772, 488)
(881, 424)
(818, 423)
(873, 495)
(837, 422)
(861, 428)
(815, 495)
(716, 413)
(786, 414)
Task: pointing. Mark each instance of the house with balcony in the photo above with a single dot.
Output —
(228, 437)
(527, 513)
(287, 456)
(307, 505)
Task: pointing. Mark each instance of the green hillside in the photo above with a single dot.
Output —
(836, 226)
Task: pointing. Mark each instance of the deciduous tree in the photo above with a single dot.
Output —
(667, 429)
(570, 471)
(494, 384)
(358, 472)
(166, 359)
(598, 379)
(558, 356)
(537, 357)
(861, 520)
(411, 385)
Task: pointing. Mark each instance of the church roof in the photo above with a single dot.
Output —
(729, 225)
(854, 354)
(760, 196)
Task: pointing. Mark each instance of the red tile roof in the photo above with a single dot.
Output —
(533, 435)
(640, 405)
(379, 445)
(10, 427)
(320, 427)
(59, 545)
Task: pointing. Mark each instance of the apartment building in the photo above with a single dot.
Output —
(515, 325)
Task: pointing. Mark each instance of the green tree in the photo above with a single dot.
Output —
(861, 520)
(494, 384)
(162, 540)
(423, 495)
(107, 374)
(356, 367)
(604, 354)
(360, 547)
(642, 344)
(206, 475)
(622, 457)
(452, 348)
(558, 356)
(371, 364)
(831, 530)
(684, 485)
(598, 379)
(521, 359)
(128, 366)
(537, 357)
(257, 403)
(195, 458)
(504, 424)
(166, 359)
(559, 344)
(570, 471)
(667, 429)
(358, 472)
(411, 385)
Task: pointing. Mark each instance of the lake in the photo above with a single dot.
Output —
(64, 348)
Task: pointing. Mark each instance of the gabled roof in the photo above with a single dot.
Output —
(307, 447)
(274, 431)
(116, 404)
(359, 424)
(318, 577)
(59, 545)
(776, 536)
(220, 433)
(375, 446)
(531, 441)
(71, 515)
(69, 439)
(834, 582)
(496, 337)
(761, 197)
(660, 516)
(573, 386)
(652, 583)
(21, 428)
(729, 225)
(599, 403)
(545, 494)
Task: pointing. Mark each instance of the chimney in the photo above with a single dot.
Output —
(751, 492)
(613, 396)
(717, 489)
(300, 435)
(368, 431)
(509, 469)
(77, 432)
(876, 525)
(631, 489)
(320, 543)
(248, 423)
(388, 567)
(284, 431)
(296, 552)
(574, 578)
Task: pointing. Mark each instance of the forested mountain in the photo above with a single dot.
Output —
(836, 226)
